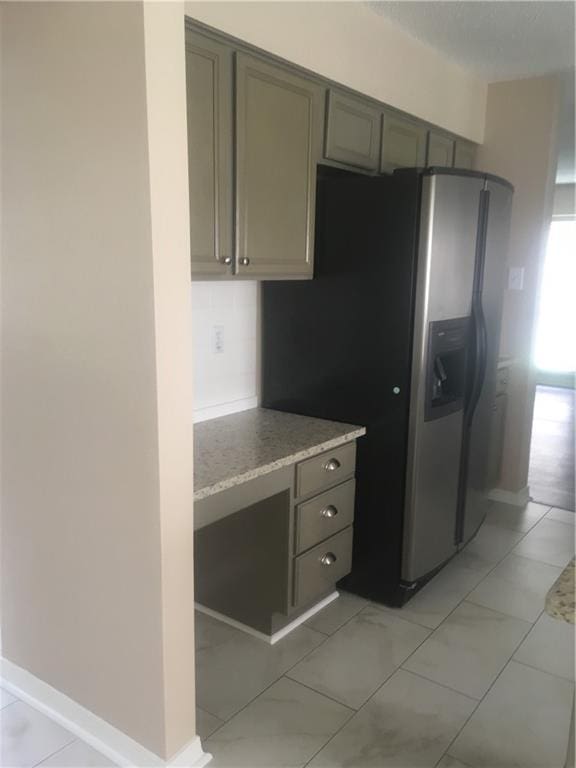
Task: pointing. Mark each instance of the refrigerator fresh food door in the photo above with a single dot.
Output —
(486, 324)
(446, 261)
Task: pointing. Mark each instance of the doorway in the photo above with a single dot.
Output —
(551, 472)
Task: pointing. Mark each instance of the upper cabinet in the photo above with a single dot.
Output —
(278, 132)
(403, 143)
(209, 113)
(440, 150)
(352, 131)
(464, 154)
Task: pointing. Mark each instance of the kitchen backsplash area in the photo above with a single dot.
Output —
(225, 330)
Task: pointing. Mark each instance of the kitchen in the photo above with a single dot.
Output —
(295, 665)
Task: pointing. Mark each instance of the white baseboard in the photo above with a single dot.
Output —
(517, 498)
(271, 639)
(225, 409)
(99, 734)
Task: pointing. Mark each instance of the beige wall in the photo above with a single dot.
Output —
(96, 553)
(349, 43)
(565, 200)
(521, 145)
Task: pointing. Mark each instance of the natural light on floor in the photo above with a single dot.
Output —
(555, 349)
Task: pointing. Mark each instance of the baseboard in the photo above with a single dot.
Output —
(516, 498)
(99, 734)
(271, 639)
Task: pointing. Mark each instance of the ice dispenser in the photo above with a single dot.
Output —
(446, 367)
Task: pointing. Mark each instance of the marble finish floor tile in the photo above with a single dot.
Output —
(517, 587)
(487, 548)
(439, 597)
(233, 667)
(357, 659)
(549, 646)
(469, 649)
(549, 541)
(565, 516)
(408, 722)
(206, 723)
(522, 722)
(284, 727)
(515, 518)
(27, 736)
(77, 755)
(337, 613)
(6, 698)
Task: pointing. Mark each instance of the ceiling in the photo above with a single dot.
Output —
(500, 40)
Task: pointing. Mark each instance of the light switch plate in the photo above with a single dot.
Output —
(516, 279)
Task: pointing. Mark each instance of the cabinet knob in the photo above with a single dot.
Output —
(329, 511)
(328, 559)
(331, 465)
(244, 261)
(225, 260)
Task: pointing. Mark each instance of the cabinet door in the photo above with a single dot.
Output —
(464, 155)
(403, 144)
(278, 122)
(209, 113)
(440, 150)
(352, 131)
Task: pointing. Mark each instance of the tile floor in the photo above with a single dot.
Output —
(471, 673)
(551, 475)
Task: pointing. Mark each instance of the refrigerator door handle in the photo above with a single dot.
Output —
(480, 349)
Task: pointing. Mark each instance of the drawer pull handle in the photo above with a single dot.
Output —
(329, 511)
(328, 559)
(331, 465)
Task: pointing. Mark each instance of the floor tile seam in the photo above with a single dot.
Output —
(544, 671)
(394, 611)
(321, 693)
(208, 712)
(60, 749)
(11, 703)
(422, 676)
(325, 639)
(501, 613)
(493, 683)
(368, 700)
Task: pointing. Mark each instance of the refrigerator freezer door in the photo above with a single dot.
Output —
(446, 261)
(476, 475)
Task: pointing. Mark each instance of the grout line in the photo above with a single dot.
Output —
(544, 671)
(476, 699)
(57, 751)
(321, 693)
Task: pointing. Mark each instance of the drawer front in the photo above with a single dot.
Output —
(324, 515)
(318, 570)
(325, 470)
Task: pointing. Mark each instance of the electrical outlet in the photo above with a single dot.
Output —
(218, 337)
(516, 279)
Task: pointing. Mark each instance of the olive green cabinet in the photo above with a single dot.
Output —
(464, 155)
(209, 115)
(278, 120)
(403, 143)
(440, 150)
(352, 131)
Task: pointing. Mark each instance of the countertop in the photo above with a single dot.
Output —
(234, 449)
(560, 598)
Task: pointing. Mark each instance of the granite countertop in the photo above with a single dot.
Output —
(233, 449)
(560, 598)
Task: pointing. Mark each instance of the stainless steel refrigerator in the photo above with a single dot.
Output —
(399, 331)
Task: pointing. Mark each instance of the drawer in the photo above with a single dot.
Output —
(316, 571)
(324, 515)
(501, 381)
(325, 470)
